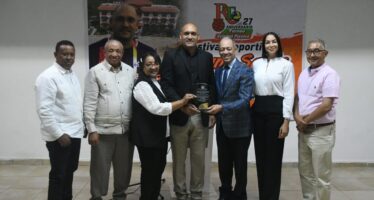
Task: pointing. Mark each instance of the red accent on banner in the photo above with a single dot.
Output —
(101, 54)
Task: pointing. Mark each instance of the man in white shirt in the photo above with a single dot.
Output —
(107, 113)
(59, 106)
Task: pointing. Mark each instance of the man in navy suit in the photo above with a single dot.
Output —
(234, 81)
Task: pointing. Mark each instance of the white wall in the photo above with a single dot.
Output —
(347, 27)
(30, 29)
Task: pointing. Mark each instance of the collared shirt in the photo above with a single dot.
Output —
(144, 94)
(313, 86)
(107, 98)
(275, 77)
(59, 103)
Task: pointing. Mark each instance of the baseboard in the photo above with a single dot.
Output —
(214, 164)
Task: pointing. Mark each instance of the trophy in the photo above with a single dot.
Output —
(202, 96)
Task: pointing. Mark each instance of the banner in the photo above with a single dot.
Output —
(243, 20)
(246, 21)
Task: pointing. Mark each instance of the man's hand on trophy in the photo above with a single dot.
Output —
(214, 109)
(190, 109)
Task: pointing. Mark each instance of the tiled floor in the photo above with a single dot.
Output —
(30, 182)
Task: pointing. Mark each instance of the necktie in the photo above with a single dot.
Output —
(224, 77)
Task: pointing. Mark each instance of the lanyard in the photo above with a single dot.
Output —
(135, 62)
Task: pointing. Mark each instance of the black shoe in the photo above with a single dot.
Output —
(242, 196)
(224, 194)
(221, 197)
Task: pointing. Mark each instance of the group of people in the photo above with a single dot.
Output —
(126, 104)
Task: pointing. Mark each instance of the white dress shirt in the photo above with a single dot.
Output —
(144, 94)
(275, 77)
(59, 103)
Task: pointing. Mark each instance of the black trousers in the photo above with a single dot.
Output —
(269, 154)
(64, 161)
(232, 154)
(153, 161)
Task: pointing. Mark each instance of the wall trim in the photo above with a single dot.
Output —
(214, 164)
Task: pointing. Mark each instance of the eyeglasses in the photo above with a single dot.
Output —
(315, 51)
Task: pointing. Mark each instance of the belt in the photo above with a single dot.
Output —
(319, 125)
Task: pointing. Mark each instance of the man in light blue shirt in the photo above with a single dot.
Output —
(59, 106)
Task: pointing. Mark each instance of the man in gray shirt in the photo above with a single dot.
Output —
(107, 112)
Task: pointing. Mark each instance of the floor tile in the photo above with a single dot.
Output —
(367, 182)
(18, 194)
(31, 182)
(290, 194)
(350, 184)
(360, 195)
(17, 170)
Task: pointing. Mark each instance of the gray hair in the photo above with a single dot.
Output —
(319, 41)
(110, 42)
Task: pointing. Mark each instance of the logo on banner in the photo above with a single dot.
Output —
(229, 22)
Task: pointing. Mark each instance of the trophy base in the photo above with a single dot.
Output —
(204, 110)
(204, 107)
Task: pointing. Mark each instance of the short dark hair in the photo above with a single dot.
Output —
(142, 62)
(279, 53)
(120, 6)
(149, 53)
(63, 42)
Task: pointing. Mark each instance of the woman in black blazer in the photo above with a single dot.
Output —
(149, 124)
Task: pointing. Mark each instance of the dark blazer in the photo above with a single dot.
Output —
(235, 117)
(97, 53)
(177, 79)
(147, 129)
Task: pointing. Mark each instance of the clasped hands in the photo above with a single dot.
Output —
(301, 122)
(64, 140)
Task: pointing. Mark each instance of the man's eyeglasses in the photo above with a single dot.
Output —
(315, 51)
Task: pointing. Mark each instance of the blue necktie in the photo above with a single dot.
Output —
(225, 71)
